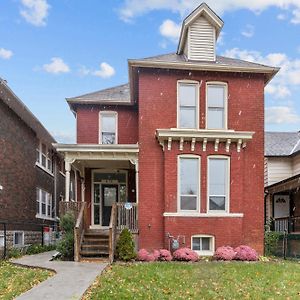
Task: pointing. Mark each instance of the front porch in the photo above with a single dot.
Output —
(102, 192)
(283, 205)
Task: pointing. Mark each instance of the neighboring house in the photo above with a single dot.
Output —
(282, 180)
(31, 175)
(183, 143)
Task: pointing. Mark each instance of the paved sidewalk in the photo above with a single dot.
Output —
(71, 280)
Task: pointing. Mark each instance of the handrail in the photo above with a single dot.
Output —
(127, 218)
(79, 231)
(112, 232)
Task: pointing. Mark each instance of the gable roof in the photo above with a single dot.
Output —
(9, 98)
(202, 10)
(115, 95)
(282, 143)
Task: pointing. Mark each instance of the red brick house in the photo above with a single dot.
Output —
(182, 145)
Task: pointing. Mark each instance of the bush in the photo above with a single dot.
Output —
(165, 255)
(38, 248)
(224, 253)
(271, 242)
(161, 255)
(14, 252)
(245, 253)
(125, 246)
(185, 254)
(66, 244)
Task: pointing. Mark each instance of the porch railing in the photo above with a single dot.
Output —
(79, 230)
(70, 206)
(112, 232)
(127, 216)
(287, 224)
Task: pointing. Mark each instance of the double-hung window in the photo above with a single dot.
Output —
(44, 204)
(189, 169)
(216, 106)
(218, 184)
(188, 104)
(108, 127)
(44, 157)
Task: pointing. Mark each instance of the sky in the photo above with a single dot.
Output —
(53, 49)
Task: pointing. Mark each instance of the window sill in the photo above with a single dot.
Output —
(204, 253)
(61, 173)
(45, 218)
(203, 215)
(44, 169)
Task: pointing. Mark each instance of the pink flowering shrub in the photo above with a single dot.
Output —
(156, 254)
(185, 254)
(144, 255)
(224, 253)
(165, 255)
(245, 253)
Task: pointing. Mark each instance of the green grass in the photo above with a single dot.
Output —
(15, 280)
(203, 280)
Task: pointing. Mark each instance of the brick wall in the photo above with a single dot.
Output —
(158, 169)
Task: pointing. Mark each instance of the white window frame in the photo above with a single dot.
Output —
(197, 84)
(2, 242)
(227, 195)
(49, 167)
(204, 252)
(14, 242)
(108, 113)
(225, 85)
(49, 199)
(188, 156)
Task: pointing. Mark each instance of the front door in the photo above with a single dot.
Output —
(109, 197)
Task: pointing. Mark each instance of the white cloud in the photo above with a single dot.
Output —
(248, 32)
(296, 16)
(288, 76)
(84, 71)
(64, 137)
(134, 8)
(281, 17)
(281, 115)
(105, 71)
(220, 41)
(170, 30)
(35, 12)
(56, 66)
(5, 53)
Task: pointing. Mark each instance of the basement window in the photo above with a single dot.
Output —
(18, 238)
(203, 244)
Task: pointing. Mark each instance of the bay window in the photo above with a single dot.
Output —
(218, 184)
(108, 128)
(216, 99)
(188, 176)
(188, 104)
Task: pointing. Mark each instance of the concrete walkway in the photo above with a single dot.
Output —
(70, 281)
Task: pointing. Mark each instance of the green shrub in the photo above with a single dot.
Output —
(271, 242)
(66, 244)
(38, 248)
(125, 246)
(14, 252)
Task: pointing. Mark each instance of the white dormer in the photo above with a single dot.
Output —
(199, 33)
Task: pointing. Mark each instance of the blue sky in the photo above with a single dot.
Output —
(53, 49)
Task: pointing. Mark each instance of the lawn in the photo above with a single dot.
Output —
(203, 280)
(15, 280)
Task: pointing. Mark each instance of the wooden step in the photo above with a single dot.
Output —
(97, 231)
(91, 240)
(94, 247)
(95, 235)
(96, 253)
(103, 259)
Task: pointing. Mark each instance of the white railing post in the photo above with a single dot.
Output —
(67, 187)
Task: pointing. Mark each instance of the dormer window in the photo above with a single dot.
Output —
(108, 127)
(216, 101)
(188, 104)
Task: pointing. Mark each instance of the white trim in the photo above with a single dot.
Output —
(18, 245)
(48, 199)
(62, 173)
(189, 156)
(203, 215)
(197, 86)
(227, 196)
(108, 113)
(38, 216)
(48, 157)
(225, 85)
(44, 169)
(204, 252)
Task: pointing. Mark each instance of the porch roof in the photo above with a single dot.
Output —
(284, 185)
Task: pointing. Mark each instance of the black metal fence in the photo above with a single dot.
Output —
(31, 233)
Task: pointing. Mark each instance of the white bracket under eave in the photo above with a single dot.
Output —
(169, 143)
(162, 143)
(227, 147)
(217, 141)
(181, 144)
(193, 144)
(238, 145)
(204, 144)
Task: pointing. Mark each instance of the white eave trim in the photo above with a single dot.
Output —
(203, 215)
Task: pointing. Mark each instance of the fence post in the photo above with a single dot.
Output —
(5, 243)
(42, 235)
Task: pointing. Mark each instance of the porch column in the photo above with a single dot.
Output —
(67, 187)
(136, 166)
(82, 189)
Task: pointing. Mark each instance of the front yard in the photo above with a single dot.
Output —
(15, 280)
(203, 280)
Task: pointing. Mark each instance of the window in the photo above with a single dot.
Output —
(189, 168)
(44, 204)
(1, 240)
(216, 106)
(18, 238)
(108, 128)
(44, 157)
(188, 101)
(203, 244)
(218, 184)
